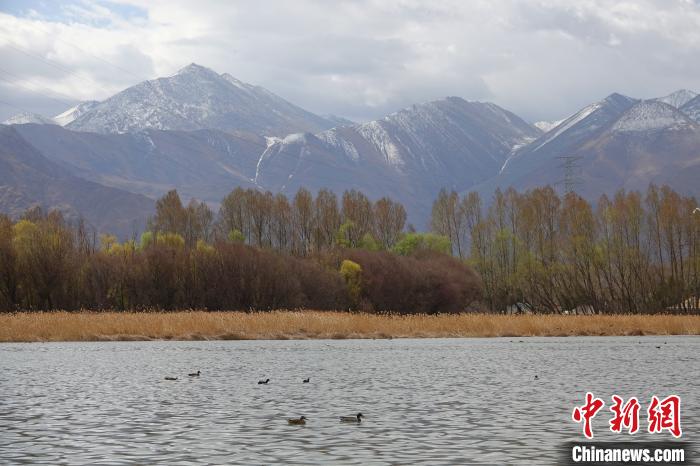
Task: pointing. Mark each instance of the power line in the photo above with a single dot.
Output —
(115, 66)
(71, 100)
(37, 84)
(96, 57)
(14, 106)
(57, 66)
(61, 101)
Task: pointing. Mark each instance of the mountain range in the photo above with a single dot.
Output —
(205, 133)
(619, 142)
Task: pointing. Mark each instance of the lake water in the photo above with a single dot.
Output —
(438, 401)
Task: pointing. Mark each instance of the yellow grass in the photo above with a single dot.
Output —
(197, 325)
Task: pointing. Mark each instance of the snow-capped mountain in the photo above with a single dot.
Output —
(652, 115)
(692, 109)
(198, 98)
(573, 131)
(231, 134)
(74, 112)
(618, 143)
(678, 98)
(410, 154)
(28, 117)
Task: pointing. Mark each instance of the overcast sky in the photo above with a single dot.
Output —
(542, 59)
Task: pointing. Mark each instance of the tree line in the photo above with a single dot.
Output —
(634, 252)
(259, 252)
(300, 226)
(534, 251)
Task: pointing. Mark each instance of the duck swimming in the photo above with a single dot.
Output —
(194, 374)
(263, 382)
(306, 380)
(171, 378)
(356, 419)
(297, 422)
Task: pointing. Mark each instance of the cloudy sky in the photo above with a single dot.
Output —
(542, 59)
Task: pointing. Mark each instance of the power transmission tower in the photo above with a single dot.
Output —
(569, 165)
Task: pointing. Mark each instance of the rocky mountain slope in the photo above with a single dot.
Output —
(678, 98)
(618, 143)
(204, 164)
(198, 98)
(692, 109)
(409, 155)
(27, 178)
(205, 134)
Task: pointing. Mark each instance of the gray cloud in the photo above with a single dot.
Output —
(362, 59)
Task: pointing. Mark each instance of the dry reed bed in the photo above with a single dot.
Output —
(198, 325)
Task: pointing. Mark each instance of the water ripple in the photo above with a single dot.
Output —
(452, 401)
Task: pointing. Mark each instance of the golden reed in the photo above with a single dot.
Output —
(200, 325)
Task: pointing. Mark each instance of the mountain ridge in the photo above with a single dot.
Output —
(28, 178)
(616, 143)
(205, 147)
(197, 98)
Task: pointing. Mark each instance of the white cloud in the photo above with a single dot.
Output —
(542, 59)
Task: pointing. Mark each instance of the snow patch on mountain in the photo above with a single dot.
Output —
(570, 122)
(277, 145)
(547, 126)
(28, 117)
(679, 98)
(652, 115)
(332, 138)
(74, 112)
(375, 133)
(514, 151)
(293, 138)
(692, 109)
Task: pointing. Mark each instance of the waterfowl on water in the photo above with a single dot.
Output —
(306, 380)
(194, 374)
(171, 378)
(297, 422)
(536, 377)
(357, 419)
(263, 382)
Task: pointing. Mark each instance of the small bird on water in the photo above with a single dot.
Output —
(194, 374)
(171, 378)
(306, 380)
(536, 377)
(356, 419)
(263, 382)
(297, 422)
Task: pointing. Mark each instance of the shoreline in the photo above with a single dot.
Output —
(62, 326)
